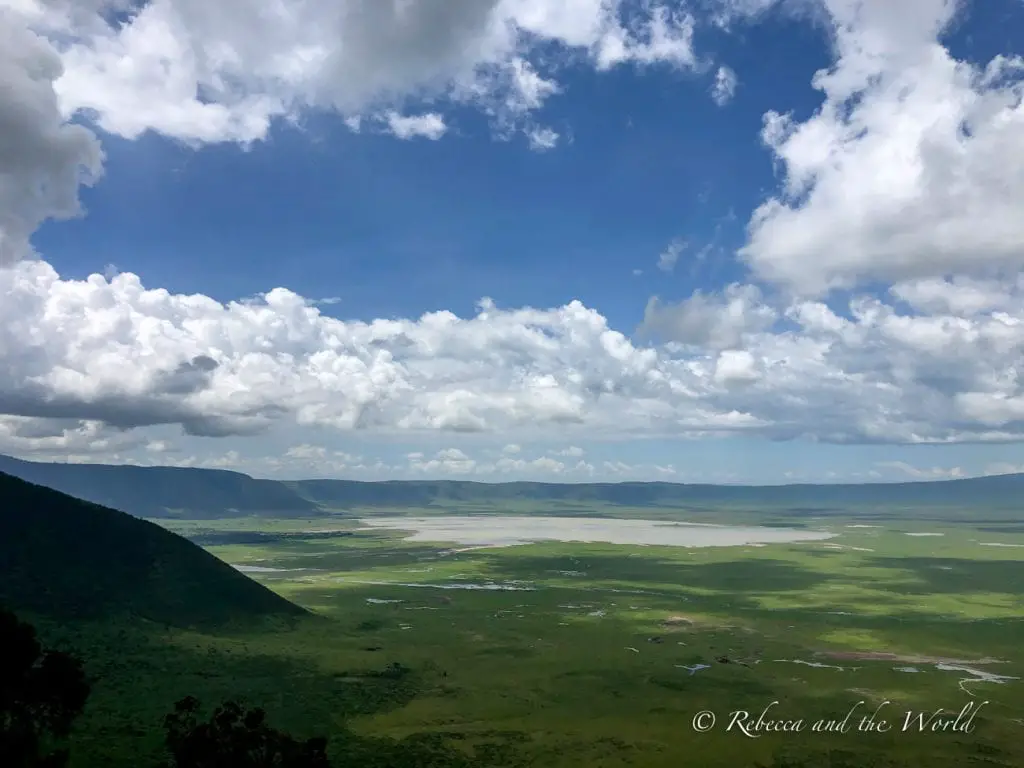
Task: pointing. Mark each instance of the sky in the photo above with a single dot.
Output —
(727, 241)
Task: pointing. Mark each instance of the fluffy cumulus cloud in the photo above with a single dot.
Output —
(429, 125)
(204, 72)
(43, 160)
(912, 167)
(714, 321)
(932, 363)
(449, 461)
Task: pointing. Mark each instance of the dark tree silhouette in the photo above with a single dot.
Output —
(41, 693)
(235, 738)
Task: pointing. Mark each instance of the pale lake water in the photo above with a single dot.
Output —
(510, 530)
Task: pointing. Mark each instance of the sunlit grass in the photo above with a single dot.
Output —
(587, 667)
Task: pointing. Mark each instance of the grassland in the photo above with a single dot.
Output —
(585, 661)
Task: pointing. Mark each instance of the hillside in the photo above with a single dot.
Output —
(66, 558)
(157, 492)
(997, 491)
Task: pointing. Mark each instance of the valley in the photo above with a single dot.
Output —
(543, 632)
(602, 652)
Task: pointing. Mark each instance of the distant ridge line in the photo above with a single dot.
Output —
(197, 493)
(489, 483)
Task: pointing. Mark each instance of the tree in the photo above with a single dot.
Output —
(41, 693)
(235, 738)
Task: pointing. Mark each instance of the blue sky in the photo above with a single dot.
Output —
(323, 209)
(843, 304)
(318, 208)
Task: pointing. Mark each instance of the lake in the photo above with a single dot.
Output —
(511, 530)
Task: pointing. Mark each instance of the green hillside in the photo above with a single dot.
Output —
(65, 558)
(164, 491)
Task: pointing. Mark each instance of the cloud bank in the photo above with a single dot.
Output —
(937, 362)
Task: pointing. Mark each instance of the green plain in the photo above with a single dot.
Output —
(583, 663)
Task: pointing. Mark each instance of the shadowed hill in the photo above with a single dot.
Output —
(207, 493)
(164, 491)
(66, 558)
(998, 491)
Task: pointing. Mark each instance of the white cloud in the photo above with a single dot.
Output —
(714, 321)
(668, 258)
(455, 462)
(112, 352)
(42, 159)
(303, 460)
(724, 87)
(1003, 468)
(229, 460)
(919, 473)
(913, 167)
(621, 470)
(571, 451)
(542, 139)
(429, 125)
(306, 451)
(735, 366)
(450, 461)
(543, 465)
(224, 72)
(958, 295)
